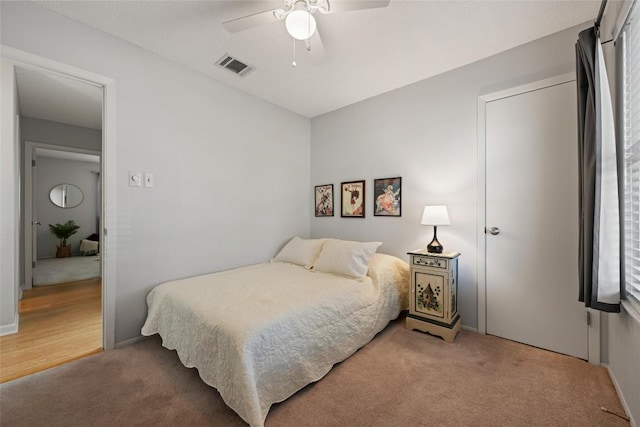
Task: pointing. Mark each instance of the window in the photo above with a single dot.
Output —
(631, 134)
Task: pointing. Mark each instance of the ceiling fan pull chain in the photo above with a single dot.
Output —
(309, 40)
(293, 64)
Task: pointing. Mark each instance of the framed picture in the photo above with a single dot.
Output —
(352, 199)
(324, 200)
(387, 196)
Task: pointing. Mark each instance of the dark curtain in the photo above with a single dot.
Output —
(599, 246)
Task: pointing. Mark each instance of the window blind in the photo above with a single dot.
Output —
(631, 135)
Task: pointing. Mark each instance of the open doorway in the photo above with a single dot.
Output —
(60, 308)
(62, 241)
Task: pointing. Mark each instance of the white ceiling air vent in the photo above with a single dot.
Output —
(236, 67)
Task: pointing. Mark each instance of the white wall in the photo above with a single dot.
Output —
(426, 133)
(9, 208)
(231, 171)
(51, 172)
(624, 358)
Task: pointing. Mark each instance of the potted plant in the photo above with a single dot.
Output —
(63, 232)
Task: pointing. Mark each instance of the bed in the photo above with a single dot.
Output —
(260, 333)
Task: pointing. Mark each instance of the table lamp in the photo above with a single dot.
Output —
(435, 215)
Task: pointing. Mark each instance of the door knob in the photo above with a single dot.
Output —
(494, 231)
(38, 223)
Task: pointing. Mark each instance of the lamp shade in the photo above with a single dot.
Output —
(300, 24)
(435, 215)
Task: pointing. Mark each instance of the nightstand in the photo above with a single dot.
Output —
(434, 293)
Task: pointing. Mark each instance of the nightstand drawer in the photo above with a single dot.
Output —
(430, 262)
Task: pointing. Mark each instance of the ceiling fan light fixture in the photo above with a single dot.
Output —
(301, 25)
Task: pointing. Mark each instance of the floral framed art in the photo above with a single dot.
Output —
(387, 196)
(352, 199)
(324, 200)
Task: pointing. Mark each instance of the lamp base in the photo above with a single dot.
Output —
(434, 246)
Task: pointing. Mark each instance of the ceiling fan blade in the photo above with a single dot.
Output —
(315, 48)
(348, 5)
(250, 21)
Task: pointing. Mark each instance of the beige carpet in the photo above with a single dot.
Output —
(52, 271)
(402, 378)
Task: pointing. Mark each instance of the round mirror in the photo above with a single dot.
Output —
(66, 195)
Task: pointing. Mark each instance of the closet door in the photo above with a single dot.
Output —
(532, 221)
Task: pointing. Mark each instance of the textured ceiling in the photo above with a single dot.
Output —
(367, 52)
(60, 99)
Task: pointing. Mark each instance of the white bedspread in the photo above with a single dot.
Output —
(260, 333)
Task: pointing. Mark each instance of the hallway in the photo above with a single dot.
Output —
(57, 324)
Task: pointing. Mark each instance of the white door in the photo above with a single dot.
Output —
(532, 198)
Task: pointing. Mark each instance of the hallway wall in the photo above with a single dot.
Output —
(51, 172)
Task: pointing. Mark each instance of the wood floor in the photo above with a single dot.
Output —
(58, 324)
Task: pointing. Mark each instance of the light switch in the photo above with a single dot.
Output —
(135, 179)
(148, 179)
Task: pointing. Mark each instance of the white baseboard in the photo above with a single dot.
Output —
(620, 395)
(131, 341)
(11, 328)
(469, 328)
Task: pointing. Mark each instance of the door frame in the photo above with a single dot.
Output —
(29, 148)
(481, 238)
(108, 173)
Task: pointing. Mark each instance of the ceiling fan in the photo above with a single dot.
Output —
(299, 20)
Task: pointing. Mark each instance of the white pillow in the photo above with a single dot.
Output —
(300, 251)
(392, 276)
(345, 258)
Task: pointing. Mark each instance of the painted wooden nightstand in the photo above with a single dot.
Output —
(434, 293)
